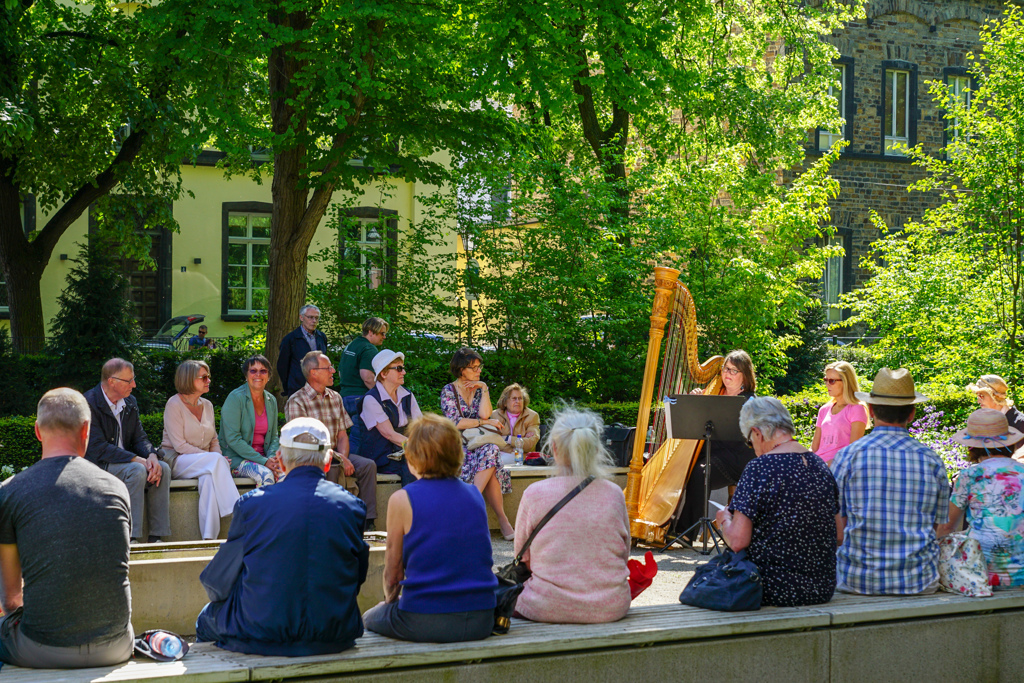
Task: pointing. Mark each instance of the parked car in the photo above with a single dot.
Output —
(169, 337)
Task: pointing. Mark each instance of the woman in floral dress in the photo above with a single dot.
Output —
(467, 403)
(991, 490)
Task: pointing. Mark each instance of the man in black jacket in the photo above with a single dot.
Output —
(294, 347)
(118, 444)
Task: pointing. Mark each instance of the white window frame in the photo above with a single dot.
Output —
(827, 138)
(832, 280)
(373, 278)
(960, 88)
(892, 113)
(249, 241)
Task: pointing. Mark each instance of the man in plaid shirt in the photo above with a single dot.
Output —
(893, 492)
(317, 400)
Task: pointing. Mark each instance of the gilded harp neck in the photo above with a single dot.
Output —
(653, 491)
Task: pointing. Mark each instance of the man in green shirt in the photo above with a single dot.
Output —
(356, 373)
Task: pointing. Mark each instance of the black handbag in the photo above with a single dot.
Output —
(619, 440)
(729, 582)
(513, 575)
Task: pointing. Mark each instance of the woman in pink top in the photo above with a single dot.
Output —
(579, 558)
(843, 419)
(192, 448)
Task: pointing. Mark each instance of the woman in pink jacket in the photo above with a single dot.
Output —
(192, 449)
(578, 559)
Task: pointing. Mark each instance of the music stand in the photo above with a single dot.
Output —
(700, 417)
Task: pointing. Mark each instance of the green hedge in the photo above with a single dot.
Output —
(24, 379)
(19, 448)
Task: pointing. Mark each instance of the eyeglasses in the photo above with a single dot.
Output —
(329, 367)
(397, 368)
(830, 381)
(126, 381)
(475, 367)
(205, 378)
(750, 435)
(259, 371)
(729, 371)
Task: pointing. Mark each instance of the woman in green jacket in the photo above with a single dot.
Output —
(248, 426)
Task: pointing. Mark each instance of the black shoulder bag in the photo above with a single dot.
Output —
(513, 575)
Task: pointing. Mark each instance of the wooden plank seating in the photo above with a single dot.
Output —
(853, 638)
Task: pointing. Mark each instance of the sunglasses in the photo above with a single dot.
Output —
(258, 371)
(205, 378)
(397, 368)
(829, 381)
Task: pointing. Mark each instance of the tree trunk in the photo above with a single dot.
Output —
(22, 270)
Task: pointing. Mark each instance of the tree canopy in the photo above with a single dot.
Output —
(95, 100)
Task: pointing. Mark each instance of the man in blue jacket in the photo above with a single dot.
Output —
(294, 347)
(286, 580)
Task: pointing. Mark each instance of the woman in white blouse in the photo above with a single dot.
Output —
(191, 446)
(387, 409)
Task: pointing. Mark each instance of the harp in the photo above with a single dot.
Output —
(653, 490)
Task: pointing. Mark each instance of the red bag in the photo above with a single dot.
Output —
(641, 575)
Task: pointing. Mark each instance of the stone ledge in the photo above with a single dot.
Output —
(820, 636)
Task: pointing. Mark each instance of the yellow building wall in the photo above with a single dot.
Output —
(196, 288)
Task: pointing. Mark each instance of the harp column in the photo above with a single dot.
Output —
(665, 285)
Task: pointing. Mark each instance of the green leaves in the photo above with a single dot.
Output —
(947, 291)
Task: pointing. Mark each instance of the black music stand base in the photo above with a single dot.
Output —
(703, 525)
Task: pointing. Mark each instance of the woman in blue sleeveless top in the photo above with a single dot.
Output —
(438, 572)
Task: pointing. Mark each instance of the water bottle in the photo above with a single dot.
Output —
(518, 449)
(165, 644)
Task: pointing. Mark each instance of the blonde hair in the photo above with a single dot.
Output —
(577, 443)
(994, 387)
(506, 394)
(186, 374)
(850, 385)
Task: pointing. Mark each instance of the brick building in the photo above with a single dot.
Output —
(885, 65)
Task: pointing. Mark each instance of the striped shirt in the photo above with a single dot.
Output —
(892, 491)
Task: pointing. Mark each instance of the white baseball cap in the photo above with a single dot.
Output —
(385, 358)
(305, 425)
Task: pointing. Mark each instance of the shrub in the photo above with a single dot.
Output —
(19, 447)
(806, 359)
(96, 318)
(25, 378)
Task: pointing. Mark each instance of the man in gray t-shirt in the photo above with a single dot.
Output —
(64, 527)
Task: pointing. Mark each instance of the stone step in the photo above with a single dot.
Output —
(184, 505)
(167, 593)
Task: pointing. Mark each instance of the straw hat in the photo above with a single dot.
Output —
(987, 428)
(892, 388)
(992, 384)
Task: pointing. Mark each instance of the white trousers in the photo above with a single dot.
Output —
(217, 492)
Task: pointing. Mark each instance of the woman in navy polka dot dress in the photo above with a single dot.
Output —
(783, 511)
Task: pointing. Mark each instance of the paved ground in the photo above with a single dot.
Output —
(675, 567)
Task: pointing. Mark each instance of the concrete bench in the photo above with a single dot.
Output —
(938, 638)
(184, 504)
(167, 592)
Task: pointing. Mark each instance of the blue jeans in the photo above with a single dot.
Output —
(355, 435)
(398, 467)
